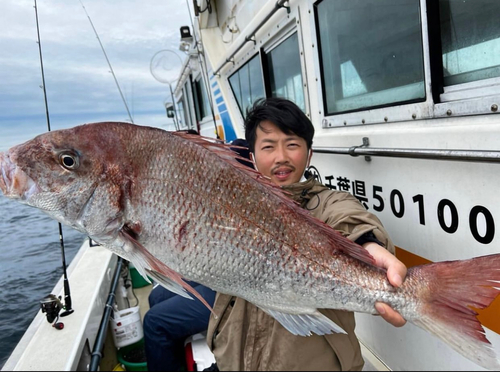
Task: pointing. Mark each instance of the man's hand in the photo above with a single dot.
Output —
(396, 272)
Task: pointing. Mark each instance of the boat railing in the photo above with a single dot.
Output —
(103, 327)
(483, 156)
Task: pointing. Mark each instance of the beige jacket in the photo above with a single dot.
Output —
(243, 337)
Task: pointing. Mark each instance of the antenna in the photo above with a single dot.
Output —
(109, 63)
(162, 69)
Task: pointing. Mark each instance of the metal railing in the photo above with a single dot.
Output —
(97, 352)
(482, 156)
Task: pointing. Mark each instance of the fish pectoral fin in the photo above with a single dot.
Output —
(174, 282)
(306, 323)
(143, 260)
(137, 254)
(169, 284)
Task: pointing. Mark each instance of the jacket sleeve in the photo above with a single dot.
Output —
(346, 214)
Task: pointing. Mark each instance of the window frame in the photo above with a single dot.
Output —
(285, 28)
(385, 113)
(201, 98)
(189, 109)
(270, 47)
(473, 98)
(232, 72)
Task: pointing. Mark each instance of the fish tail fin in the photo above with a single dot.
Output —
(454, 289)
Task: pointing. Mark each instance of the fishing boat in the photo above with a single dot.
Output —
(404, 96)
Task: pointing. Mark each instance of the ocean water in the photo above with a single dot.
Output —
(30, 252)
(30, 266)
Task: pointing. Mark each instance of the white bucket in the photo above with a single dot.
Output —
(126, 326)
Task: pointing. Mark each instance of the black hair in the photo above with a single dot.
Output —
(285, 114)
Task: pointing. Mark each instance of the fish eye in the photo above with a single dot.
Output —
(69, 160)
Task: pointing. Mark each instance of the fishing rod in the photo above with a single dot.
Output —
(50, 305)
(109, 63)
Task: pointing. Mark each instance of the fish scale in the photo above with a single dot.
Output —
(180, 206)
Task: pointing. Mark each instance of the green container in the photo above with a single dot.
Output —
(137, 280)
(133, 357)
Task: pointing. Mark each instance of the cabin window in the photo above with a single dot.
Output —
(470, 39)
(186, 118)
(283, 71)
(247, 84)
(371, 53)
(181, 114)
(202, 105)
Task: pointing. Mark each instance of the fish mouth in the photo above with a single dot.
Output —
(14, 182)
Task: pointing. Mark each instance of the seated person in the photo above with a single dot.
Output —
(169, 321)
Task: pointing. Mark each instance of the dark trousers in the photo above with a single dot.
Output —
(169, 321)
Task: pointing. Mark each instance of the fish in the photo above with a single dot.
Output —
(182, 207)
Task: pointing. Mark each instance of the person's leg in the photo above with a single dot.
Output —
(167, 324)
(160, 294)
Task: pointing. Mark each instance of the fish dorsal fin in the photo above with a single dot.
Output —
(338, 241)
(224, 151)
(145, 261)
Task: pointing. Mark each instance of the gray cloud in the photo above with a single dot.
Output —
(80, 87)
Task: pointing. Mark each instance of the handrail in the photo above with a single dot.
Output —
(103, 327)
(277, 6)
(486, 156)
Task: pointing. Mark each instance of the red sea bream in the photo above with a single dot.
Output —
(180, 206)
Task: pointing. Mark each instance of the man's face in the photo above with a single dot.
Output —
(282, 157)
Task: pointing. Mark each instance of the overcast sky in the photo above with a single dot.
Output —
(80, 87)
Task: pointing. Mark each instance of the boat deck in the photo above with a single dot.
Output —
(92, 268)
(110, 359)
(44, 347)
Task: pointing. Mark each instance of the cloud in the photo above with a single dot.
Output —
(80, 87)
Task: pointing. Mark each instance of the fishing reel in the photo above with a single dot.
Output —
(52, 305)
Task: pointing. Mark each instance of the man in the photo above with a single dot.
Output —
(171, 319)
(243, 337)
